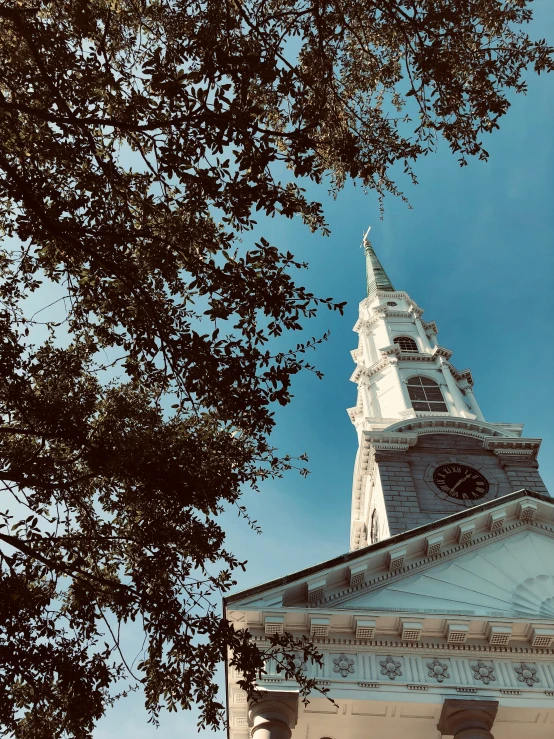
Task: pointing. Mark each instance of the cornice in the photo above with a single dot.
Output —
(381, 440)
(399, 647)
(430, 328)
(517, 446)
(453, 425)
(368, 372)
(399, 294)
(461, 375)
(394, 350)
(441, 351)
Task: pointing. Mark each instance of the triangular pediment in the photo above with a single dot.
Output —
(505, 570)
(510, 576)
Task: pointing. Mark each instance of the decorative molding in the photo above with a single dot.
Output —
(526, 674)
(299, 662)
(343, 665)
(508, 459)
(462, 376)
(390, 667)
(483, 672)
(441, 351)
(527, 510)
(430, 327)
(437, 670)
(400, 648)
(453, 425)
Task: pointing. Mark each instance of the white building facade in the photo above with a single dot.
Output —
(440, 619)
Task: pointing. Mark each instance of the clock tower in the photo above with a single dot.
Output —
(439, 621)
(425, 450)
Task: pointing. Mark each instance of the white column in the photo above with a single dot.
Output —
(406, 403)
(432, 336)
(368, 410)
(422, 334)
(473, 405)
(274, 716)
(452, 387)
(375, 407)
(387, 332)
(369, 359)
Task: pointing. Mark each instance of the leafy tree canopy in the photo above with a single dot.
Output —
(138, 138)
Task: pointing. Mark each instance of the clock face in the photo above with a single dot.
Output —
(460, 482)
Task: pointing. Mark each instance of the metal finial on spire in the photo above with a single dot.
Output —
(376, 277)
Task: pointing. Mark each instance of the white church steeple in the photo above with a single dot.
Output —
(410, 397)
(395, 347)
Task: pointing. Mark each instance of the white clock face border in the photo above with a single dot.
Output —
(461, 482)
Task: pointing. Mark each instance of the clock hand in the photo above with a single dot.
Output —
(463, 479)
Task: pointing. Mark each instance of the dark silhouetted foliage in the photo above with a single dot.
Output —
(138, 138)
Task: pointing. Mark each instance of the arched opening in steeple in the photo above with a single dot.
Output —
(406, 343)
(426, 395)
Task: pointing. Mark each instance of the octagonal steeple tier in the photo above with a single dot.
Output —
(415, 415)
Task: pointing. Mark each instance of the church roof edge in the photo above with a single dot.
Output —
(385, 543)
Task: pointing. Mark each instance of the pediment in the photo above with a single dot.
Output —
(512, 576)
(505, 570)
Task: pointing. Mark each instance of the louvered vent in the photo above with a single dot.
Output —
(365, 629)
(527, 510)
(365, 632)
(457, 633)
(316, 594)
(273, 629)
(357, 575)
(465, 533)
(433, 544)
(498, 634)
(320, 630)
(319, 627)
(496, 520)
(499, 639)
(411, 631)
(316, 590)
(274, 625)
(542, 638)
(396, 559)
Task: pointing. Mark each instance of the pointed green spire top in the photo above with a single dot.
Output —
(376, 277)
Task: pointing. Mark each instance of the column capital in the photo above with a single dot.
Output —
(467, 719)
(274, 714)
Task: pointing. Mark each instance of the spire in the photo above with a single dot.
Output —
(376, 277)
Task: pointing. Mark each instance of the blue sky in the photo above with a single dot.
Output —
(476, 253)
